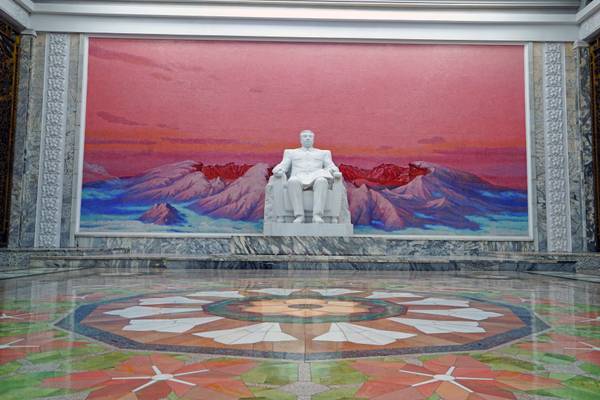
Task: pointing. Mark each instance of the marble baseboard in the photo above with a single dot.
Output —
(319, 264)
(304, 246)
(154, 245)
(291, 253)
(22, 258)
(433, 266)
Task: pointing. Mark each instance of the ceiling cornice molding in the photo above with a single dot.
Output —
(464, 20)
(588, 19)
(27, 5)
(298, 13)
(588, 11)
(16, 14)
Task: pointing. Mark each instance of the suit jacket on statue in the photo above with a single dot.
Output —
(307, 164)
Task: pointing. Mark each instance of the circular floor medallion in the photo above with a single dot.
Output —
(308, 323)
(307, 309)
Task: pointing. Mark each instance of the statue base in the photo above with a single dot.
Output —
(307, 229)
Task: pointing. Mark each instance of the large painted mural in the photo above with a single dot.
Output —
(181, 136)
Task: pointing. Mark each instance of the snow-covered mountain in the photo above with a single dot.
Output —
(241, 200)
(175, 183)
(387, 197)
(95, 173)
(162, 214)
(443, 196)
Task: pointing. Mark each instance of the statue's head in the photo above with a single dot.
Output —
(307, 138)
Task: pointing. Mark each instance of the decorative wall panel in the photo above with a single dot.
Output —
(50, 190)
(557, 187)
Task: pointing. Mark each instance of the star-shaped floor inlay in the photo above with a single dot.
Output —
(159, 377)
(445, 377)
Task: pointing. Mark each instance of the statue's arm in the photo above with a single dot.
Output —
(328, 163)
(284, 165)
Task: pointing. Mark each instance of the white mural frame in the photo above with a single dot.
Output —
(528, 63)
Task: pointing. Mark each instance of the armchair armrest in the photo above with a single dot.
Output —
(337, 190)
(278, 179)
(278, 182)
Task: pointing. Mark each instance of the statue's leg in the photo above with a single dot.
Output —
(294, 188)
(319, 197)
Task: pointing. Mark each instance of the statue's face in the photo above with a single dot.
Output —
(307, 139)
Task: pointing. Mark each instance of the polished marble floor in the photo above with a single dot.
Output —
(323, 335)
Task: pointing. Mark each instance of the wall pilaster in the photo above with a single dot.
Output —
(558, 210)
(54, 117)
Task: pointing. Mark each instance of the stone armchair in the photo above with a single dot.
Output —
(279, 213)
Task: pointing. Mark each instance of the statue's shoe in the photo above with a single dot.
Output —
(299, 219)
(317, 219)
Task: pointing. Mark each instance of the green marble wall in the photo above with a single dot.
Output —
(9, 41)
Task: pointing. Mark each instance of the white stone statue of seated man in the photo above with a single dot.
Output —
(310, 168)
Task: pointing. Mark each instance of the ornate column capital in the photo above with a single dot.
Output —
(580, 43)
(28, 32)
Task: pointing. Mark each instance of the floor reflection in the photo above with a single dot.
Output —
(211, 334)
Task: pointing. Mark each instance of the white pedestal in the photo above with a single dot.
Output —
(307, 229)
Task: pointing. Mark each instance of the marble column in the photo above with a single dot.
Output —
(52, 152)
(72, 140)
(23, 87)
(558, 210)
(537, 147)
(583, 101)
(574, 168)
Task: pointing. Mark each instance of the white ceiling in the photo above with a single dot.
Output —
(453, 20)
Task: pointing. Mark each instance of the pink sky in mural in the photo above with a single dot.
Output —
(152, 102)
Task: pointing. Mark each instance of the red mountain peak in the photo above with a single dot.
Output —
(227, 172)
(384, 175)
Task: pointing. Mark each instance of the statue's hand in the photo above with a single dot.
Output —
(337, 175)
(278, 173)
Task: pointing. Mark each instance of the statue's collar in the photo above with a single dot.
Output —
(305, 149)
